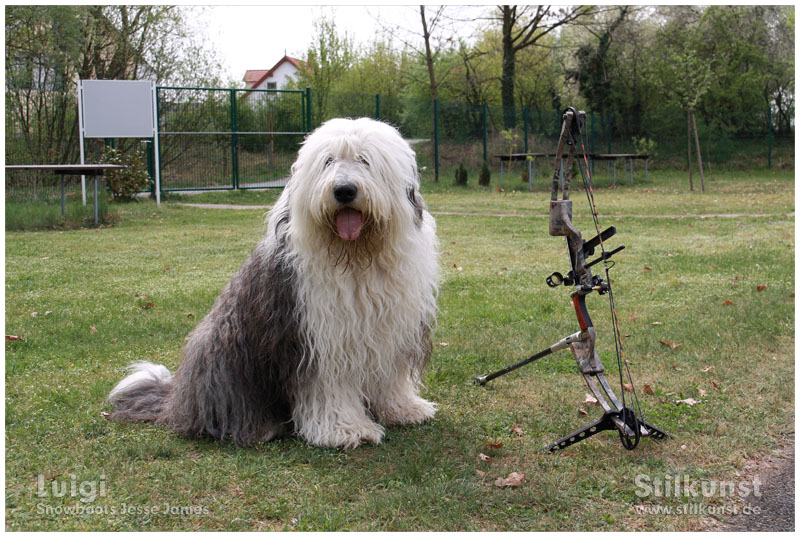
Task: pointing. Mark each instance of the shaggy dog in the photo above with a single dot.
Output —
(325, 329)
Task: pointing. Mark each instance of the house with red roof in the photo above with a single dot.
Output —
(276, 78)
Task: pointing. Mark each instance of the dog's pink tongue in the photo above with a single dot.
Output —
(348, 224)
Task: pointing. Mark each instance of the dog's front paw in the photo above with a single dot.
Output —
(349, 435)
(408, 411)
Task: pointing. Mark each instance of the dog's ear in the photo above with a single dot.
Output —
(416, 203)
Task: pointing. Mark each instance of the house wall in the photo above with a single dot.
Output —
(281, 75)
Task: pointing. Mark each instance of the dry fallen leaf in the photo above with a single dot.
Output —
(688, 402)
(148, 306)
(701, 392)
(671, 345)
(190, 315)
(493, 445)
(14, 338)
(484, 457)
(590, 400)
(582, 411)
(514, 479)
(707, 368)
(480, 473)
(646, 268)
(715, 385)
(657, 323)
(48, 312)
(34, 314)
(627, 387)
(761, 287)
(648, 389)
(517, 430)
(729, 302)
(93, 330)
(443, 344)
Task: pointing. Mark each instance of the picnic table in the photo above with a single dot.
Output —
(610, 157)
(93, 170)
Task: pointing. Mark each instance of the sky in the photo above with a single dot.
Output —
(256, 37)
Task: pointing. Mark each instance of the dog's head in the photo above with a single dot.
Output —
(356, 180)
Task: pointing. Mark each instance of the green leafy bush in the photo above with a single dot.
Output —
(123, 184)
(461, 175)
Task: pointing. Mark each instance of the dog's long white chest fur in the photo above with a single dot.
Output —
(327, 326)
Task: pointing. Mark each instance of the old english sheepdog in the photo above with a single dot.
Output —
(325, 329)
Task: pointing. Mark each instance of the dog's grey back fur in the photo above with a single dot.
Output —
(240, 364)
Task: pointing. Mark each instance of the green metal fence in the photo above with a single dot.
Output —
(212, 138)
(221, 138)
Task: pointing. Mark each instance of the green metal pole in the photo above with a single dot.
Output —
(436, 138)
(525, 126)
(308, 110)
(378, 106)
(303, 110)
(151, 165)
(485, 136)
(234, 143)
(769, 154)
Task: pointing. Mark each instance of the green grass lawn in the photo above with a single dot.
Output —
(87, 302)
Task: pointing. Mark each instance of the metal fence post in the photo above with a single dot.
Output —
(151, 165)
(525, 127)
(378, 106)
(234, 143)
(769, 126)
(436, 138)
(485, 136)
(309, 126)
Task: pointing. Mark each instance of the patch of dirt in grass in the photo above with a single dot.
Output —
(773, 510)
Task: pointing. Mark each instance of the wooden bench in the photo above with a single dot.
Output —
(93, 170)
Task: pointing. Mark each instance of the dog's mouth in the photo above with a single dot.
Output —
(348, 224)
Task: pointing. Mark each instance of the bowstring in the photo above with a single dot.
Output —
(622, 362)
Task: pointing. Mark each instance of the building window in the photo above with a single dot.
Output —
(272, 85)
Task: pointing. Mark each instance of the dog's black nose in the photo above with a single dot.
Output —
(345, 192)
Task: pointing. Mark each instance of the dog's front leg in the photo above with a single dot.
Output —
(329, 415)
(397, 403)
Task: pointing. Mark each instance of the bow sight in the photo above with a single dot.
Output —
(617, 414)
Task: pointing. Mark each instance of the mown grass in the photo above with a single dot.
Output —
(106, 297)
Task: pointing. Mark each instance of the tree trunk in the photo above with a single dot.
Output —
(689, 142)
(509, 68)
(431, 73)
(699, 157)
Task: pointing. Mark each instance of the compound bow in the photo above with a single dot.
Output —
(617, 414)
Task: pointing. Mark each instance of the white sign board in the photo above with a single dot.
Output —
(117, 108)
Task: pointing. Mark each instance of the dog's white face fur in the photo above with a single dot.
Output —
(358, 180)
